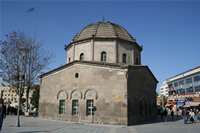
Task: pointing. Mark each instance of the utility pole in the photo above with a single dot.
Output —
(21, 80)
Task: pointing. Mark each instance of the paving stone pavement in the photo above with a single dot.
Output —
(39, 125)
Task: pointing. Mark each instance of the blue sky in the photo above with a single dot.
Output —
(168, 30)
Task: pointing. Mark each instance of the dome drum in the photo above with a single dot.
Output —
(104, 37)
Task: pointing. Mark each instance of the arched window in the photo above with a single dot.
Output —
(103, 56)
(124, 58)
(69, 59)
(82, 56)
(141, 108)
(146, 107)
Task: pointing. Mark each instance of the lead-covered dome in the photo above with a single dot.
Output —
(103, 30)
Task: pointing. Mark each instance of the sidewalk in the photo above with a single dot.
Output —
(38, 125)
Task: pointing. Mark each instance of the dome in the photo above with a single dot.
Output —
(103, 30)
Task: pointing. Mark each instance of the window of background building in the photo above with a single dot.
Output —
(69, 59)
(170, 93)
(175, 84)
(189, 80)
(188, 99)
(82, 56)
(62, 107)
(75, 107)
(170, 85)
(103, 56)
(124, 58)
(196, 78)
(189, 89)
(181, 82)
(197, 88)
(182, 91)
(90, 110)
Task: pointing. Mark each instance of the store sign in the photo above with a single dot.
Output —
(196, 99)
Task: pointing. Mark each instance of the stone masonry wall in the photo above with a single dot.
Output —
(141, 94)
(106, 86)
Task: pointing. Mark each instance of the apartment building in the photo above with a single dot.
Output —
(184, 85)
(164, 89)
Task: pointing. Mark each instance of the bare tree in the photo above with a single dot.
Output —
(34, 60)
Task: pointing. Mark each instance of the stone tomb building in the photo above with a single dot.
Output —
(102, 81)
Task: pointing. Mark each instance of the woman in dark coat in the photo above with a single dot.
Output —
(2, 113)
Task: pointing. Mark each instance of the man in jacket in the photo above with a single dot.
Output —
(184, 115)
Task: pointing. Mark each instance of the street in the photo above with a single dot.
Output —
(38, 125)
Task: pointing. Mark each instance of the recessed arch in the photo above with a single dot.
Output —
(62, 95)
(96, 95)
(80, 97)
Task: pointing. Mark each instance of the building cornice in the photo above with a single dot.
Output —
(100, 38)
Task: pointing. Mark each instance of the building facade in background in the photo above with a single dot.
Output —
(10, 97)
(164, 89)
(102, 81)
(184, 87)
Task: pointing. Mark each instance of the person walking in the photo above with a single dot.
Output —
(197, 115)
(172, 114)
(2, 113)
(191, 116)
(187, 113)
(165, 115)
(161, 113)
(177, 110)
(184, 115)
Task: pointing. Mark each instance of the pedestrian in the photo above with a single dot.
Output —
(194, 113)
(2, 113)
(191, 116)
(184, 115)
(35, 112)
(161, 113)
(172, 114)
(187, 113)
(177, 110)
(197, 114)
(165, 115)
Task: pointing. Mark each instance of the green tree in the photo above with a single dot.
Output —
(35, 97)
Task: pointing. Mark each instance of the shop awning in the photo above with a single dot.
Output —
(186, 106)
(195, 104)
(168, 105)
(180, 104)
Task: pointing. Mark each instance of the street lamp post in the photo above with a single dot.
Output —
(20, 87)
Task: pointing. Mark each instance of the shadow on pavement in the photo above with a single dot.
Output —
(159, 120)
(33, 131)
